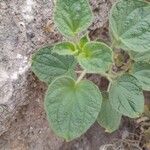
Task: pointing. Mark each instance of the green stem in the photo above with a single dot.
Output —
(81, 76)
(108, 76)
(78, 72)
(109, 86)
(113, 45)
(76, 39)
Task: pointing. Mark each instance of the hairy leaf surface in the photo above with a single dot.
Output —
(142, 72)
(72, 16)
(85, 39)
(130, 25)
(108, 117)
(141, 57)
(65, 48)
(48, 66)
(72, 108)
(126, 96)
(96, 57)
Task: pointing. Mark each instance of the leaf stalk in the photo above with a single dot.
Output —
(81, 76)
(109, 86)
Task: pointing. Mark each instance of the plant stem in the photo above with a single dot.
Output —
(112, 44)
(81, 76)
(76, 39)
(108, 76)
(108, 89)
(78, 72)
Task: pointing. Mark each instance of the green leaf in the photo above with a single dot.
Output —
(65, 48)
(96, 57)
(126, 96)
(72, 108)
(108, 117)
(48, 66)
(142, 72)
(72, 16)
(130, 25)
(85, 39)
(141, 57)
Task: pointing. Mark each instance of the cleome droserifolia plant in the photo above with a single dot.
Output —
(72, 103)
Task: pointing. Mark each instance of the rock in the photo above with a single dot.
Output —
(21, 33)
(26, 26)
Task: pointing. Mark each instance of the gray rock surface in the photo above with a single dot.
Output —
(25, 26)
(22, 32)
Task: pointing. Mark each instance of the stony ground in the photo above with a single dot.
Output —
(25, 26)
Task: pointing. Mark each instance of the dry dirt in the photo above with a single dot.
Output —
(25, 26)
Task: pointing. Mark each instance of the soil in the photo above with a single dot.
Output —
(26, 26)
